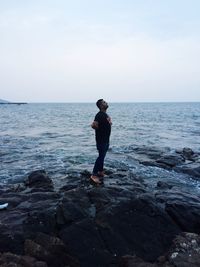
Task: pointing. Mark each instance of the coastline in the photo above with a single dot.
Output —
(14, 103)
(122, 223)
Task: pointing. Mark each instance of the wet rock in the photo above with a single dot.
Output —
(156, 164)
(188, 153)
(150, 152)
(185, 251)
(171, 160)
(163, 185)
(50, 250)
(39, 179)
(13, 260)
(182, 207)
(192, 169)
(184, 160)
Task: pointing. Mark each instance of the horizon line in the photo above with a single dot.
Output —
(90, 102)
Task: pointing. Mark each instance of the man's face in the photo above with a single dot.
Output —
(104, 104)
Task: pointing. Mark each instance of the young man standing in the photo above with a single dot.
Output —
(102, 125)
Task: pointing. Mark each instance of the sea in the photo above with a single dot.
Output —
(57, 138)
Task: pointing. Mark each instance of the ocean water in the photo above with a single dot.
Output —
(59, 139)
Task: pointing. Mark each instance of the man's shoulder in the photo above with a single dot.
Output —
(100, 115)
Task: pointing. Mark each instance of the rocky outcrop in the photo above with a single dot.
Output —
(184, 252)
(91, 226)
(184, 160)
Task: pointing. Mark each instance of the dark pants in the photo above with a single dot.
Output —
(98, 166)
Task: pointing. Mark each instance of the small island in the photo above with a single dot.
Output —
(5, 102)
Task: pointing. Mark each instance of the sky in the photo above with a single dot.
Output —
(83, 50)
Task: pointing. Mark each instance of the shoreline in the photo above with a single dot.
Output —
(87, 226)
(14, 103)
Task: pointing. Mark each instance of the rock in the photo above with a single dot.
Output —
(187, 217)
(86, 243)
(188, 153)
(50, 250)
(182, 207)
(163, 185)
(185, 251)
(192, 169)
(184, 160)
(170, 160)
(133, 226)
(152, 153)
(39, 179)
(95, 226)
(156, 164)
(13, 260)
(134, 261)
(71, 209)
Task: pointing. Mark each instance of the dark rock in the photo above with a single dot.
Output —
(184, 160)
(150, 152)
(74, 206)
(185, 215)
(39, 179)
(134, 261)
(86, 243)
(182, 207)
(86, 173)
(13, 260)
(156, 164)
(135, 226)
(163, 185)
(95, 226)
(171, 160)
(185, 251)
(188, 153)
(51, 250)
(192, 169)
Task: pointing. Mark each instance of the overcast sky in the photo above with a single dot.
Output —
(83, 50)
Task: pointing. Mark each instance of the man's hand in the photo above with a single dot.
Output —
(109, 120)
(95, 125)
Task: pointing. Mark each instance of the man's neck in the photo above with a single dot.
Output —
(103, 110)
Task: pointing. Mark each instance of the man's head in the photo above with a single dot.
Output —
(102, 104)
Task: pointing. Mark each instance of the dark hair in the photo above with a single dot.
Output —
(98, 103)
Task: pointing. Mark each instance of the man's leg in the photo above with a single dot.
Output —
(98, 166)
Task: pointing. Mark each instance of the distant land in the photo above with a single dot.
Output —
(11, 103)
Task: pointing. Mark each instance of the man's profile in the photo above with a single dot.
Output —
(102, 126)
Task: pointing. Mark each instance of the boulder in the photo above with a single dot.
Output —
(50, 250)
(12, 260)
(185, 251)
(192, 169)
(39, 179)
(171, 160)
(163, 185)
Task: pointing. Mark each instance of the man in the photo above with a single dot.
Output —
(102, 125)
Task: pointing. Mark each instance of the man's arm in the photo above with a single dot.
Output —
(95, 125)
(109, 120)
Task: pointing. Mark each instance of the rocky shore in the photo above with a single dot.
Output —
(121, 223)
(184, 160)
